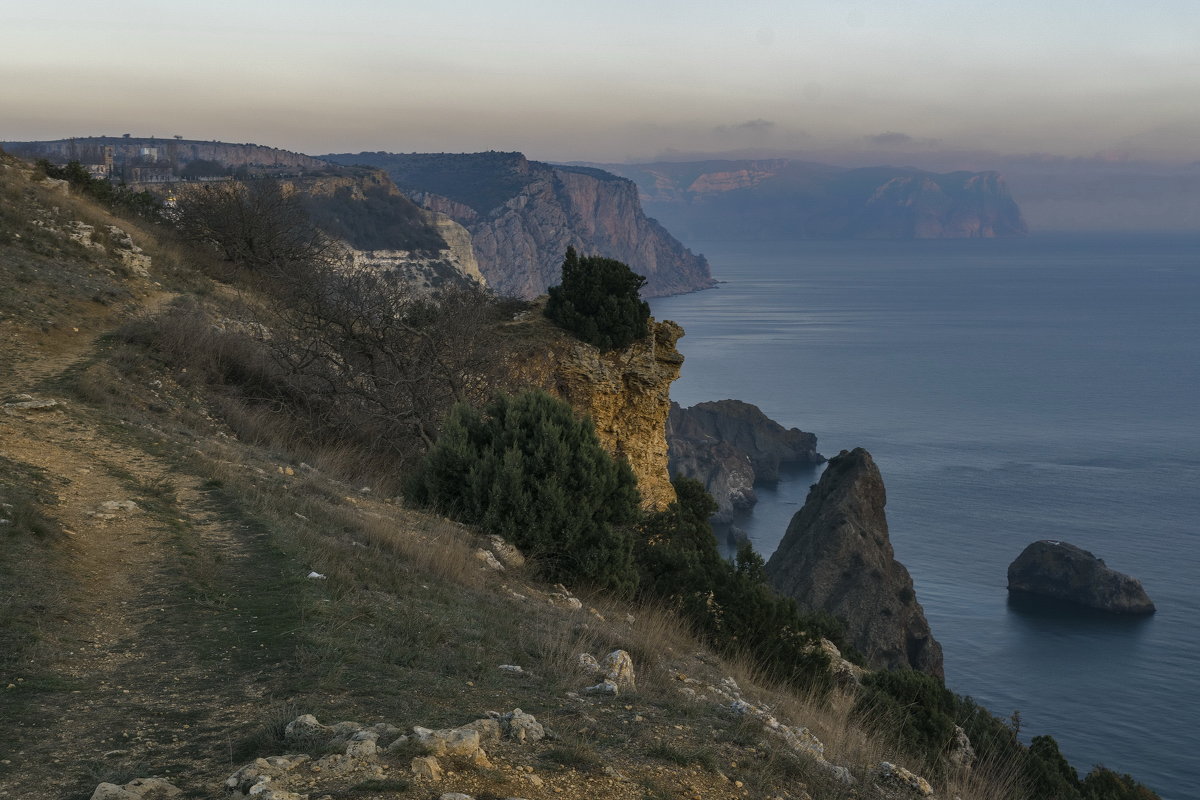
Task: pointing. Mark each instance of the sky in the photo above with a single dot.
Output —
(616, 80)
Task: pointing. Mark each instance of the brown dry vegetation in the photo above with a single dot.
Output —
(177, 640)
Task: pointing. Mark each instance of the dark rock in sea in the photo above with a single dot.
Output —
(729, 446)
(1062, 571)
(836, 557)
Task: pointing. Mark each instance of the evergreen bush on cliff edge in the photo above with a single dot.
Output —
(526, 468)
(598, 301)
(731, 605)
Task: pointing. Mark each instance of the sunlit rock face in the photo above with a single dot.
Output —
(626, 392)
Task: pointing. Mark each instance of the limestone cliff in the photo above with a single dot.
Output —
(169, 155)
(626, 392)
(729, 445)
(523, 215)
(386, 231)
(781, 198)
(836, 557)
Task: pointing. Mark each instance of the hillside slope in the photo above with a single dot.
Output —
(185, 573)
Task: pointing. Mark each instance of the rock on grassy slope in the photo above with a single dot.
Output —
(180, 585)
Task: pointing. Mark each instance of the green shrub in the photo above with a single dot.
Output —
(731, 605)
(598, 301)
(917, 703)
(1104, 784)
(1047, 773)
(528, 469)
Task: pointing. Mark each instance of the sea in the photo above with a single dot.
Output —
(1010, 390)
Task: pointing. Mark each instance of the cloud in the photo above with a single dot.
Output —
(890, 139)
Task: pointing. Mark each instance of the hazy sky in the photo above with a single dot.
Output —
(613, 80)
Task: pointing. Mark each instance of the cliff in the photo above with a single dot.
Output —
(1062, 571)
(625, 392)
(386, 230)
(788, 199)
(729, 445)
(523, 215)
(170, 155)
(836, 557)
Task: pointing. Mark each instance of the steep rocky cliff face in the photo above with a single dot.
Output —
(625, 392)
(387, 231)
(729, 445)
(836, 557)
(1062, 571)
(790, 199)
(170, 152)
(523, 215)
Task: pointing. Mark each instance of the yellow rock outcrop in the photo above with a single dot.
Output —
(626, 392)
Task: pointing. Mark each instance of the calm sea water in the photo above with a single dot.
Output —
(1009, 391)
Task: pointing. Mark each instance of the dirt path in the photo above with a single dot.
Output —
(122, 618)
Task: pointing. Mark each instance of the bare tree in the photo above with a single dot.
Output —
(256, 224)
(372, 349)
(365, 354)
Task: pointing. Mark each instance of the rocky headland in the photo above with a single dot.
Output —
(790, 199)
(523, 215)
(1062, 571)
(626, 392)
(729, 446)
(836, 557)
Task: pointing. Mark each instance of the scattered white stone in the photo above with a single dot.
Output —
(28, 403)
(513, 668)
(256, 779)
(316, 576)
(891, 774)
(363, 745)
(962, 754)
(605, 687)
(455, 796)
(426, 767)
(508, 554)
(618, 666)
(110, 509)
(522, 727)
(449, 741)
(489, 729)
(137, 789)
(840, 774)
(306, 728)
(489, 560)
(589, 664)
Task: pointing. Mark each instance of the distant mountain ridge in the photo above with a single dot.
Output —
(783, 198)
(523, 215)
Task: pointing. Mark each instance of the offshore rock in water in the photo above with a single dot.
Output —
(836, 557)
(1062, 571)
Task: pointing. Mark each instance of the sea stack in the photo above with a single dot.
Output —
(1062, 571)
(836, 557)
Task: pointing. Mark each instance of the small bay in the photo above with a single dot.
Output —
(1009, 390)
